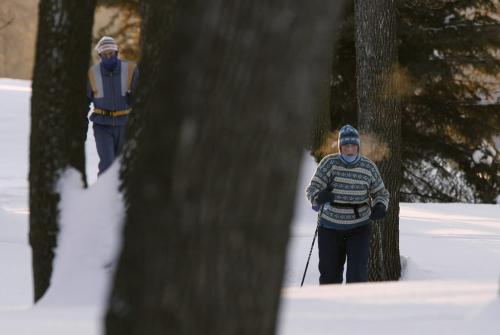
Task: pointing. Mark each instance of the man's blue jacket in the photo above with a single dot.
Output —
(112, 91)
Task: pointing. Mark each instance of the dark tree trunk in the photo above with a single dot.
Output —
(58, 120)
(212, 188)
(379, 120)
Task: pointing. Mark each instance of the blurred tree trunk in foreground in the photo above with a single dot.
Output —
(58, 120)
(379, 120)
(212, 187)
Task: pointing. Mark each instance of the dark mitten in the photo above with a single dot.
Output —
(324, 196)
(378, 211)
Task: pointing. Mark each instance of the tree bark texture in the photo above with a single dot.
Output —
(379, 120)
(212, 188)
(58, 120)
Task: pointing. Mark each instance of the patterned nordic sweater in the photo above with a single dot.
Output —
(352, 183)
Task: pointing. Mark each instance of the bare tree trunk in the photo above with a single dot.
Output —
(379, 119)
(212, 189)
(58, 120)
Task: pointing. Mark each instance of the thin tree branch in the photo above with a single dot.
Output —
(7, 23)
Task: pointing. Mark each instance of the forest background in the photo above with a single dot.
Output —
(449, 61)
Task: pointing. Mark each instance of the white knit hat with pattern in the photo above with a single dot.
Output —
(106, 43)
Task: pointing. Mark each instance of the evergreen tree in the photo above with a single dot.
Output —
(448, 51)
(342, 107)
(58, 120)
(224, 102)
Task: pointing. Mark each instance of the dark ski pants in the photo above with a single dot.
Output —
(108, 140)
(337, 245)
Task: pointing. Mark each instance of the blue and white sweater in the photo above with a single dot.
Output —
(351, 183)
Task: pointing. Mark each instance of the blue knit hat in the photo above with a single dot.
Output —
(348, 135)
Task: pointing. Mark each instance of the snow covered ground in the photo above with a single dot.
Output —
(451, 252)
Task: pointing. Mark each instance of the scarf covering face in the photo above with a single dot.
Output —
(349, 158)
(109, 63)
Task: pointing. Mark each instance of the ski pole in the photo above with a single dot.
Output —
(312, 246)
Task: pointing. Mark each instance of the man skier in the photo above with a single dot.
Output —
(349, 193)
(111, 87)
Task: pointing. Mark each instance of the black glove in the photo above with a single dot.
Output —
(378, 211)
(324, 196)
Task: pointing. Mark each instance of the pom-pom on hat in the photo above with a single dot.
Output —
(106, 43)
(348, 135)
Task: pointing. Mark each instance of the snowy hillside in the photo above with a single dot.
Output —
(451, 252)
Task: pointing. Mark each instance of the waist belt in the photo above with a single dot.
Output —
(355, 207)
(112, 113)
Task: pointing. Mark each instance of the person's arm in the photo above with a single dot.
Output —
(90, 93)
(133, 87)
(379, 195)
(318, 192)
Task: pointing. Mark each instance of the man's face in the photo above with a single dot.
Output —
(107, 54)
(349, 149)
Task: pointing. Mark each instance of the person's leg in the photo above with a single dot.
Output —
(331, 256)
(358, 252)
(105, 146)
(119, 136)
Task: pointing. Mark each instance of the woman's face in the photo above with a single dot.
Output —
(349, 149)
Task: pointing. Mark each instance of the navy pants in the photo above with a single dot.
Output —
(335, 246)
(108, 140)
